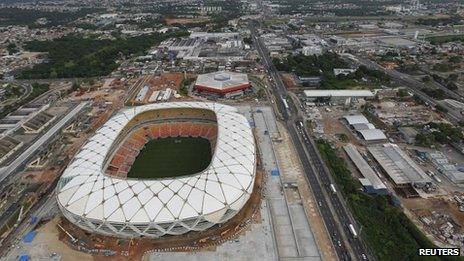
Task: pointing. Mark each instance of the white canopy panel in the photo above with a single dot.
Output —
(87, 192)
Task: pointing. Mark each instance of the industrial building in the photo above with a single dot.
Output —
(204, 46)
(116, 206)
(338, 96)
(223, 83)
(311, 50)
(343, 71)
(363, 126)
(441, 162)
(409, 134)
(401, 169)
(356, 119)
(372, 184)
(372, 135)
(365, 130)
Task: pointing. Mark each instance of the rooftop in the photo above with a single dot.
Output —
(372, 134)
(398, 165)
(364, 167)
(338, 93)
(222, 80)
(356, 119)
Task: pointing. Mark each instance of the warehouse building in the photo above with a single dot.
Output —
(355, 119)
(400, 168)
(372, 135)
(363, 126)
(444, 166)
(409, 134)
(372, 184)
(365, 130)
(338, 96)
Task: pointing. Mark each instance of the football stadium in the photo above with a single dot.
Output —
(161, 169)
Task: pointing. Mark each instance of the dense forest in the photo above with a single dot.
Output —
(76, 56)
(440, 21)
(437, 40)
(313, 65)
(17, 16)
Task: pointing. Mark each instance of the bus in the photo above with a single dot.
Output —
(332, 187)
(353, 231)
(285, 103)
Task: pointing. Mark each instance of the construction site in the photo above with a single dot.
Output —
(133, 249)
(44, 143)
(151, 88)
(41, 143)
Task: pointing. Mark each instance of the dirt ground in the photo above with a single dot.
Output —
(48, 235)
(157, 83)
(201, 19)
(417, 208)
(289, 81)
(171, 80)
(334, 127)
(421, 207)
(39, 176)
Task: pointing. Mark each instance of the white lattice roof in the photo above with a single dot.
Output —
(85, 190)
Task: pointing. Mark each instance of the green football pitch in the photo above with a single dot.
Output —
(171, 157)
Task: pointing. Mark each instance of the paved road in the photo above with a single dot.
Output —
(37, 145)
(334, 212)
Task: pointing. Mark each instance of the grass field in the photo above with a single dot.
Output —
(171, 157)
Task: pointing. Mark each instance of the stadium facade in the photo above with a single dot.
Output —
(100, 201)
(222, 82)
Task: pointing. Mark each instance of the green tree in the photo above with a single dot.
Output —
(453, 77)
(403, 93)
(53, 73)
(12, 48)
(76, 85)
(455, 59)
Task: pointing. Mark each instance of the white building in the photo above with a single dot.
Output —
(117, 206)
(311, 50)
(338, 96)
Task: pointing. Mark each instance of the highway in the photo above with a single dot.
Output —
(22, 159)
(333, 211)
(450, 93)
